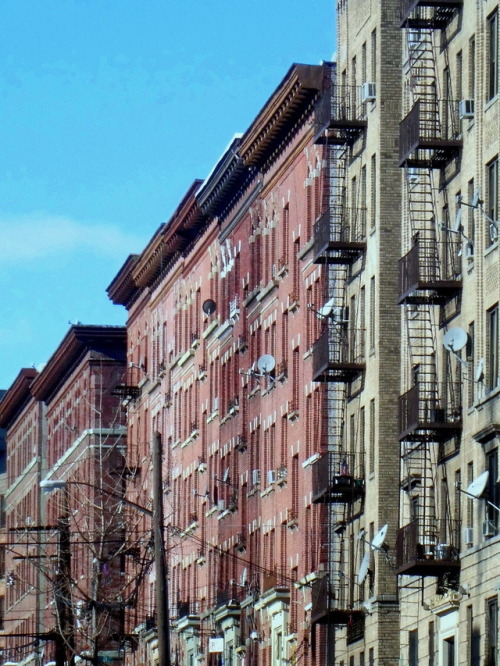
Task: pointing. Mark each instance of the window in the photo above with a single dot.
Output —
(471, 226)
(363, 62)
(469, 350)
(492, 200)
(493, 491)
(413, 648)
(492, 632)
(459, 71)
(373, 191)
(372, 436)
(372, 314)
(473, 638)
(492, 35)
(449, 651)
(472, 67)
(374, 56)
(493, 350)
(431, 644)
(470, 502)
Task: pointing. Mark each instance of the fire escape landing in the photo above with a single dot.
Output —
(430, 412)
(428, 548)
(432, 14)
(334, 479)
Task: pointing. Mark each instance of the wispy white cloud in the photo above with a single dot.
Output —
(40, 235)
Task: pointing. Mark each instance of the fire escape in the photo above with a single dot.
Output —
(339, 241)
(429, 276)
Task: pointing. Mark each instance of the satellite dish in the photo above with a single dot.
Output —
(458, 221)
(266, 363)
(478, 486)
(326, 310)
(455, 339)
(363, 569)
(479, 370)
(493, 232)
(475, 199)
(379, 538)
(208, 307)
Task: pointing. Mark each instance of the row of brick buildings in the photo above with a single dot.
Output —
(313, 338)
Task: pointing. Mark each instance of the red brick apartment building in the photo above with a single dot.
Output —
(246, 351)
(65, 550)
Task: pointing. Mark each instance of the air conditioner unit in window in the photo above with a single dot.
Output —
(221, 505)
(368, 92)
(466, 108)
(489, 529)
(271, 477)
(255, 477)
(468, 536)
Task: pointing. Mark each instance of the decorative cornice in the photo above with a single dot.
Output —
(171, 238)
(122, 289)
(279, 116)
(104, 342)
(16, 397)
(224, 185)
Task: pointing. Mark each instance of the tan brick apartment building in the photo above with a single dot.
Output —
(447, 545)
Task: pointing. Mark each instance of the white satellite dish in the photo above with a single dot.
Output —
(475, 199)
(326, 310)
(379, 538)
(458, 221)
(479, 370)
(266, 364)
(455, 339)
(493, 232)
(363, 569)
(478, 486)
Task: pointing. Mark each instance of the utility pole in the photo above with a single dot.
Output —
(163, 618)
(65, 644)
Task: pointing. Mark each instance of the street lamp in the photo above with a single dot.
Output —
(156, 515)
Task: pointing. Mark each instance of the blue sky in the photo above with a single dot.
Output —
(109, 109)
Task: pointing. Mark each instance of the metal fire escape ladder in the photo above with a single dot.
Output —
(424, 79)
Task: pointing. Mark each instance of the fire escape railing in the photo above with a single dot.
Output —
(433, 14)
(430, 411)
(427, 547)
(332, 604)
(338, 354)
(339, 235)
(429, 267)
(428, 134)
(339, 115)
(334, 478)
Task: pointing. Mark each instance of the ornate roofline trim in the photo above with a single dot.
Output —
(17, 396)
(110, 341)
(122, 289)
(296, 92)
